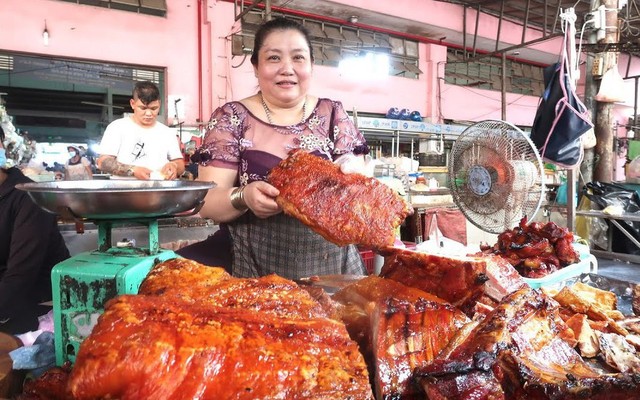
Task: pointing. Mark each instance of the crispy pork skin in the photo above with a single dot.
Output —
(399, 329)
(182, 277)
(343, 208)
(503, 278)
(196, 283)
(52, 385)
(197, 333)
(476, 385)
(148, 347)
(520, 345)
(458, 280)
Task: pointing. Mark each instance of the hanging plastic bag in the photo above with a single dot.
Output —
(563, 190)
(596, 229)
(437, 243)
(611, 87)
(561, 118)
(582, 222)
(633, 169)
(599, 233)
(589, 139)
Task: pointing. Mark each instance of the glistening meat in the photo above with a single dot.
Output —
(343, 208)
(217, 337)
(517, 353)
(399, 329)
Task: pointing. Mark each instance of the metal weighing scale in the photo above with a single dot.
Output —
(83, 283)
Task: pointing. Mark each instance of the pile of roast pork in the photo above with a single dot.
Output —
(535, 249)
(428, 327)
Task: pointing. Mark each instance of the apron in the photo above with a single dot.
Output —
(284, 246)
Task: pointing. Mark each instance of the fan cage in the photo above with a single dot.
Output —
(510, 184)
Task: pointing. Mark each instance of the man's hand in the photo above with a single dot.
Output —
(170, 170)
(111, 165)
(141, 173)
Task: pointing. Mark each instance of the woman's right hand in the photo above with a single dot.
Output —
(260, 197)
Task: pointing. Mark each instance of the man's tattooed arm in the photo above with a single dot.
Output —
(112, 166)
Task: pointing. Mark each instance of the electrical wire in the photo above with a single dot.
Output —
(478, 117)
(244, 58)
(582, 33)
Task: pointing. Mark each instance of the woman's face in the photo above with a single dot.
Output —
(284, 67)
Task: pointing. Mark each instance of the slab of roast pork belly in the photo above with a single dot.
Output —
(503, 277)
(458, 280)
(517, 352)
(399, 328)
(147, 347)
(343, 208)
(462, 280)
(199, 333)
(193, 282)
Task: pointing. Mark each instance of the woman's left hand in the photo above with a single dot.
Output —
(260, 197)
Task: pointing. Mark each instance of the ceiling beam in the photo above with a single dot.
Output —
(515, 47)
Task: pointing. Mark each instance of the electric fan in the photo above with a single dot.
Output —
(495, 175)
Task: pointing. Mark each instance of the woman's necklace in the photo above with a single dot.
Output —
(267, 111)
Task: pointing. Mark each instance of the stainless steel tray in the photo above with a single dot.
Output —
(118, 199)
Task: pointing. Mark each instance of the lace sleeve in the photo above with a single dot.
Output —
(221, 143)
(346, 137)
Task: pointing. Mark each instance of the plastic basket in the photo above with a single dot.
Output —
(587, 264)
(368, 257)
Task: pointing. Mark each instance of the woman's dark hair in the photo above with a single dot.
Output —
(1, 134)
(146, 92)
(277, 24)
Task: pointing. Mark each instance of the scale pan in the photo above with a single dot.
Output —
(117, 199)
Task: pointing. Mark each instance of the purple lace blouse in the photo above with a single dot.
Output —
(237, 139)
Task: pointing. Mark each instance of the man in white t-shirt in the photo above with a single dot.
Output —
(138, 146)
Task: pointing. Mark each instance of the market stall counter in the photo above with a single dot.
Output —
(428, 325)
(84, 283)
(617, 204)
(615, 220)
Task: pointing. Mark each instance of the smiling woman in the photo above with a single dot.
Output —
(247, 138)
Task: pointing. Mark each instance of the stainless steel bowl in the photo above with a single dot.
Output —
(117, 199)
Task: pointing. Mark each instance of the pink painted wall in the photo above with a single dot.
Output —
(239, 82)
(624, 110)
(100, 34)
(379, 96)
